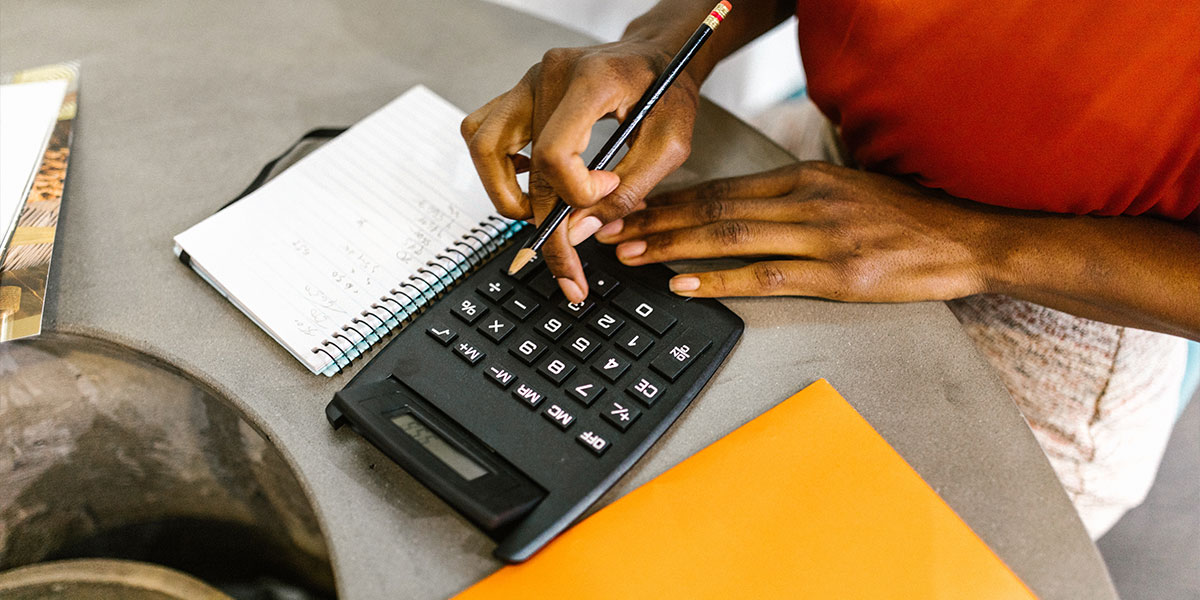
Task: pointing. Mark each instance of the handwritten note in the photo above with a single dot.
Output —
(306, 254)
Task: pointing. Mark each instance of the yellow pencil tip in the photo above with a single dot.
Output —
(524, 257)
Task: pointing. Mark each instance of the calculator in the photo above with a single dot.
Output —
(520, 409)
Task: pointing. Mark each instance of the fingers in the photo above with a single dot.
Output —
(769, 184)
(564, 264)
(766, 278)
(680, 216)
(662, 146)
(726, 238)
(495, 134)
(557, 155)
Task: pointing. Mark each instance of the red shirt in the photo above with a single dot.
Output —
(1085, 106)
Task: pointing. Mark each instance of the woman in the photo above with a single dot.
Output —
(1039, 161)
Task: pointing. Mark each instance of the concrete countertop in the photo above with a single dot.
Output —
(180, 105)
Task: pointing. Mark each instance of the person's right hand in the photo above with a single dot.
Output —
(554, 107)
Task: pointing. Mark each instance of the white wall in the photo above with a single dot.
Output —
(755, 77)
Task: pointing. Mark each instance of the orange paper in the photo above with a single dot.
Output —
(805, 501)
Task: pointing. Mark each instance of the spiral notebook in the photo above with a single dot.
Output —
(355, 238)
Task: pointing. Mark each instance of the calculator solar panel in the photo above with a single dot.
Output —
(519, 408)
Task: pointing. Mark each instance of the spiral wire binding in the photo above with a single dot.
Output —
(413, 296)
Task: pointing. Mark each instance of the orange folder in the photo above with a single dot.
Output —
(805, 501)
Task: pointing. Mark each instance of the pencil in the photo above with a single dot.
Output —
(644, 104)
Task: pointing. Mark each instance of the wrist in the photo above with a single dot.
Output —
(665, 36)
(1015, 249)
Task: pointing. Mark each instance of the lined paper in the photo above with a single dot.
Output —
(322, 242)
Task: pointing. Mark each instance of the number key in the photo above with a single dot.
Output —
(552, 326)
(585, 388)
(647, 314)
(605, 323)
(527, 349)
(581, 345)
(555, 368)
(610, 365)
(576, 309)
(634, 342)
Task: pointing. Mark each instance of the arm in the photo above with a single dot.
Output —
(559, 100)
(849, 235)
(1134, 271)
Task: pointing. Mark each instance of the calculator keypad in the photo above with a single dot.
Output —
(579, 350)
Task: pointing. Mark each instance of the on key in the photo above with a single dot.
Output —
(676, 357)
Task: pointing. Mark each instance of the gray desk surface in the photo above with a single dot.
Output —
(180, 104)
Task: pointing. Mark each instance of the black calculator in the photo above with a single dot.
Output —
(519, 408)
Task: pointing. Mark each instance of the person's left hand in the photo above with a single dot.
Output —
(821, 230)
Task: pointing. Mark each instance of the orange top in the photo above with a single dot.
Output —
(1080, 107)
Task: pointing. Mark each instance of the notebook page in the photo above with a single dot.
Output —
(324, 240)
(29, 112)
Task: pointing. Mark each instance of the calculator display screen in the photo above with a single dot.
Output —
(438, 447)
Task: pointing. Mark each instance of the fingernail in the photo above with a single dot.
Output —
(684, 284)
(612, 187)
(583, 229)
(611, 229)
(631, 249)
(571, 290)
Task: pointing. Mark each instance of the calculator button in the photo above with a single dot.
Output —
(501, 376)
(581, 345)
(553, 326)
(610, 365)
(544, 284)
(444, 335)
(601, 284)
(521, 306)
(527, 395)
(559, 416)
(675, 358)
(527, 349)
(647, 314)
(534, 267)
(555, 368)
(606, 323)
(495, 288)
(469, 353)
(495, 328)
(585, 388)
(620, 414)
(645, 389)
(469, 311)
(634, 342)
(593, 442)
(576, 309)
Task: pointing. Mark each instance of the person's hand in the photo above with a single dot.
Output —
(554, 107)
(824, 230)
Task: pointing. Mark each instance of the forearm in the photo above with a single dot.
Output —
(1134, 271)
(670, 22)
